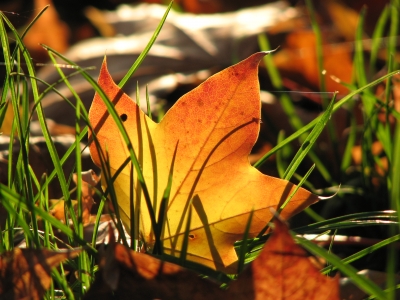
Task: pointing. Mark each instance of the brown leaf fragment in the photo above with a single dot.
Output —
(26, 273)
(283, 271)
(125, 273)
(48, 30)
(89, 181)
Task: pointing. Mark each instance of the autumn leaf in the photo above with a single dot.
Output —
(26, 273)
(210, 131)
(49, 29)
(89, 181)
(124, 272)
(282, 271)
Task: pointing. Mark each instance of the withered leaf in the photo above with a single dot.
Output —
(26, 273)
(282, 271)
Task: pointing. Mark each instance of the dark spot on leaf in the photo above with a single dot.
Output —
(199, 120)
(191, 236)
(124, 117)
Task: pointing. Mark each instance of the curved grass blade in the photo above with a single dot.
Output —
(120, 125)
(367, 216)
(377, 37)
(185, 242)
(309, 141)
(16, 199)
(162, 214)
(362, 282)
(49, 142)
(363, 253)
(310, 125)
(300, 184)
(243, 247)
(146, 50)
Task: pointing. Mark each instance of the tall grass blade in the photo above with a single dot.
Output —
(146, 50)
(309, 141)
(362, 282)
(243, 248)
(310, 125)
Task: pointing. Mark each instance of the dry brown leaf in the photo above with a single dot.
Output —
(26, 273)
(282, 271)
(214, 6)
(125, 273)
(89, 181)
(344, 18)
(297, 61)
(49, 30)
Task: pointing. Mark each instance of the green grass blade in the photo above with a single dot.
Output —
(362, 282)
(381, 217)
(97, 221)
(146, 50)
(148, 103)
(310, 125)
(351, 141)
(185, 242)
(243, 248)
(363, 253)
(394, 177)
(122, 129)
(359, 59)
(16, 199)
(41, 118)
(287, 106)
(279, 159)
(162, 214)
(377, 37)
(309, 141)
(297, 188)
(318, 42)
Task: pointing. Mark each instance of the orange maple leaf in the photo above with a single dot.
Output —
(210, 131)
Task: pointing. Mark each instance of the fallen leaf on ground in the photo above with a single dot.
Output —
(48, 30)
(209, 7)
(282, 271)
(210, 131)
(89, 181)
(26, 273)
(124, 272)
(297, 61)
(200, 45)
